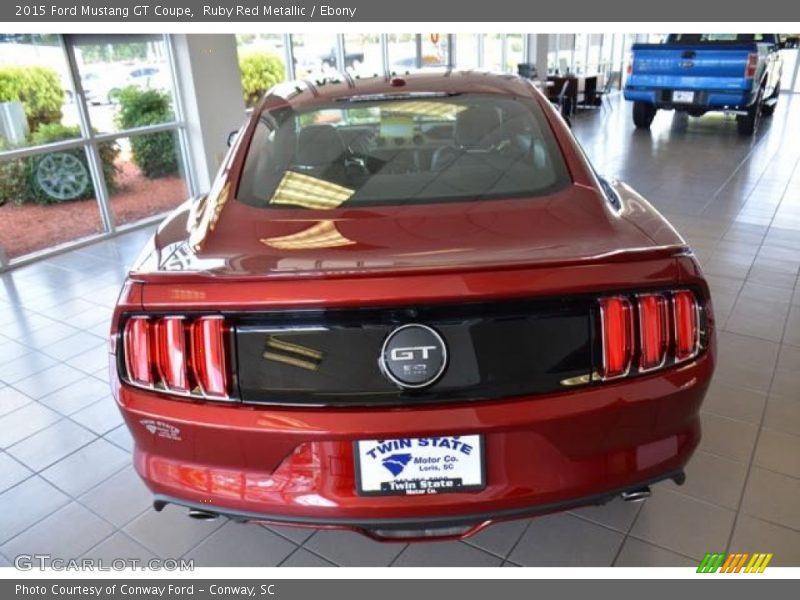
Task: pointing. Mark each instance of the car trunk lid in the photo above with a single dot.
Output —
(574, 226)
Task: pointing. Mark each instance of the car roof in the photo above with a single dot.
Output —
(324, 90)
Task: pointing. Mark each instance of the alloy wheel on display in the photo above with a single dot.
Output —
(62, 176)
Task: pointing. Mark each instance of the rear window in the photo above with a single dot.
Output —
(401, 150)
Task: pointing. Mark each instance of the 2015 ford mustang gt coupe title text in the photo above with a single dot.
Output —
(409, 307)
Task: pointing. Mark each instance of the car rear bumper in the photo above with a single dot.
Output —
(296, 466)
(707, 100)
(404, 529)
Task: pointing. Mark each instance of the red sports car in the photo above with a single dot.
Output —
(410, 307)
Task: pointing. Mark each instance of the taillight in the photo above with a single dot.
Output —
(668, 331)
(629, 68)
(617, 324)
(178, 354)
(687, 327)
(208, 356)
(170, 344)
(138, 355)
(653, 331)
(752, 65)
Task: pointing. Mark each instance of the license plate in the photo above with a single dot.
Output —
(679, 96)
(413, 466)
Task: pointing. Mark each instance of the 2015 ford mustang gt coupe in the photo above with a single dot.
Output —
(410, 307)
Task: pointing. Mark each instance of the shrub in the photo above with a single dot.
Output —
(18, 181)
(154, 153)
(260, 71)
(13, 180)
(38, 88)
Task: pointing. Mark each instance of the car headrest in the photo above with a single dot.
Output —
(477, 126)
(319, 145)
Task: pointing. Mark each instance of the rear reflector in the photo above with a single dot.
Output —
(687, 327)
(180, 355)
(617, 326)
(653, 331)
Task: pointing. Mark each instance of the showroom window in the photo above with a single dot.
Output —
(468, 50)
(315, 56)
(578, 54)
(503, 51)
(607, 52)
(560, 53)
(790, 80)
(75, 165)
(263, 62)
(494, 51)
(363, 55)
(516, 50)
(552, 54)
(593, 47)
(408, 51)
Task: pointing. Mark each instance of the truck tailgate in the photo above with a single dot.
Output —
(690, 67)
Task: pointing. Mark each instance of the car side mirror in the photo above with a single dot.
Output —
(232, 137)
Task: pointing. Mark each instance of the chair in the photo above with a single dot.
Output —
(598, 97)
(564, 101)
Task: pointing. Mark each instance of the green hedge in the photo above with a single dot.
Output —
(38, 88)
(260, 71)
(14, 180)
(18, 180)
(154, 153)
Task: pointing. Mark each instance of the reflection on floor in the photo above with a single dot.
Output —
(66, 486)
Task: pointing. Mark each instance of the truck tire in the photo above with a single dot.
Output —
(643, 114)
(748, 124)
(769, 109)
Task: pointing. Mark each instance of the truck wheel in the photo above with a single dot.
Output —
(643, 114)
(769, 109)
(748, 124)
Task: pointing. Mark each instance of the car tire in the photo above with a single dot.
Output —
(643, 114)
(748, 124)
(769, 109)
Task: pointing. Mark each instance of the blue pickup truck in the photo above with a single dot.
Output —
(698, 73)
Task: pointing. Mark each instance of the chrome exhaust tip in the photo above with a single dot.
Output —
(637, 495)
(202, 515)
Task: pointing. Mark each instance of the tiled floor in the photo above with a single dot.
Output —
(67, 487)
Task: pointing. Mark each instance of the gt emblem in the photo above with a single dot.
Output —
(409, 353)
(413, 356)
